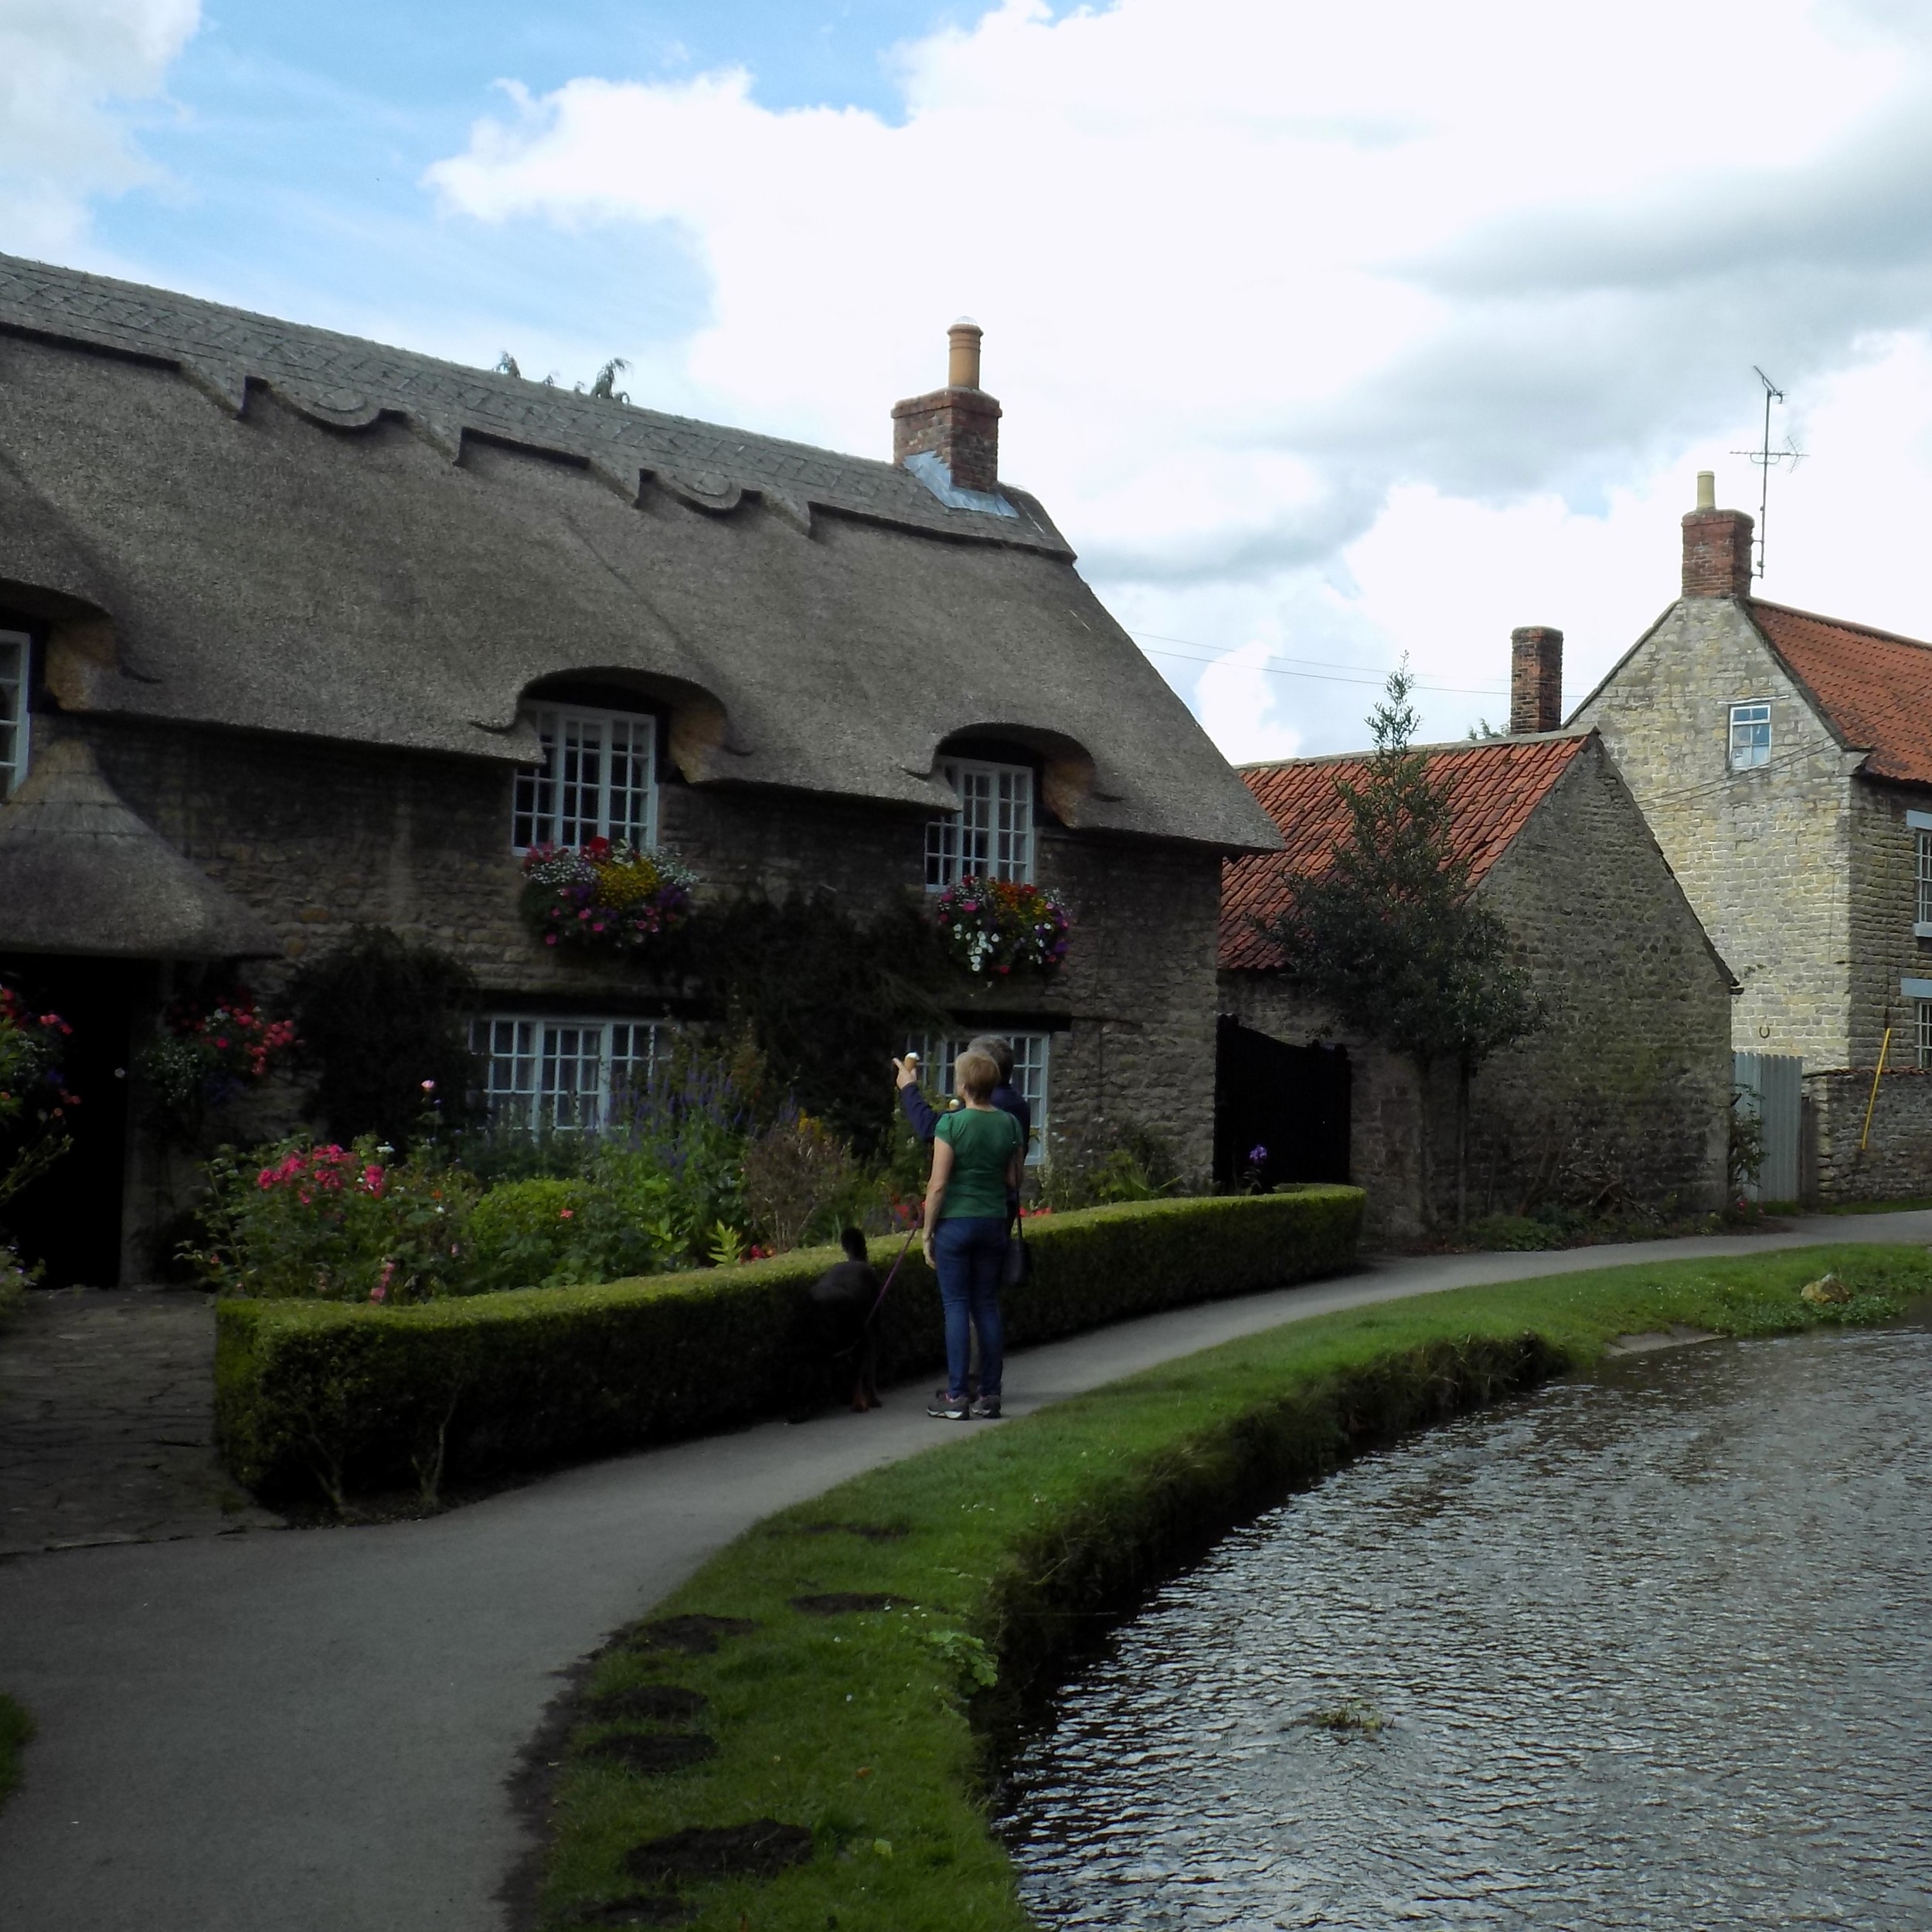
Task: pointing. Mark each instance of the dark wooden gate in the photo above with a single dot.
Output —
(1290, 1102)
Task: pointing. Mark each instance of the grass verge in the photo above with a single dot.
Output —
(800, 1739)
(16, 1732)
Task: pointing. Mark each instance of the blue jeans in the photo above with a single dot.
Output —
(969, 1251)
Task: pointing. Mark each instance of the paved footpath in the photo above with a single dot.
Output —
(285, 1731)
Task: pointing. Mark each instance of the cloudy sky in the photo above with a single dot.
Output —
(1327, 333)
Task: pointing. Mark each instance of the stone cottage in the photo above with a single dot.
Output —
(1625, 1093)
(1785, 762)
(298, 631)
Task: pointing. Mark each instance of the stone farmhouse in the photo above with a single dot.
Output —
(1625, 1093)
(1784, 761)
(299, 632)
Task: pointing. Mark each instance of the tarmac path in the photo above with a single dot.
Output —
(315, 1731)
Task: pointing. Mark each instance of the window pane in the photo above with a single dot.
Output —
(562, 1075)
(1925, 1033)
(1925, 878)
(597, 779)
(13, 710)
(991, 835)
(1751, 736)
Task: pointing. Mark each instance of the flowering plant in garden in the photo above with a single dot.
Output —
(996, 926)
(205, 1058)
(353, 1223)
(606, 895)
(34, 1099)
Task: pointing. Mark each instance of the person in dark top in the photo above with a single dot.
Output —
(843, 1299)
(1006, 1097)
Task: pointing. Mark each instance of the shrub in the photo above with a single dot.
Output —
(797, 1171)
(336, 1223)
(340, 1397)
(384, 1031)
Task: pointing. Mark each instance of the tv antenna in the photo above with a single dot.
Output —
(1766, 460)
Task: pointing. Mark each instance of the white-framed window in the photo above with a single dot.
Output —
(991, 835)
(1925, 1032)
(1924, 922)
(598, 779)
(937, 1053)
(13, 709)
(1751, 735)
(563, 1074)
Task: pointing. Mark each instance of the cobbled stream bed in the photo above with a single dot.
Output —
(1651, 1648)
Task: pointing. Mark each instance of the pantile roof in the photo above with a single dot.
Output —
(1874, 687)
(228, 520)
(1498, 784)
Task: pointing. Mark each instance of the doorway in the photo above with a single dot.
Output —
(1288, 1104)
(69, 1219)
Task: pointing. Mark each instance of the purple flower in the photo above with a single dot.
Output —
(1256, 1155)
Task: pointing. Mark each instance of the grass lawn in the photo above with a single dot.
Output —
(16, 1730)
(803, 1766)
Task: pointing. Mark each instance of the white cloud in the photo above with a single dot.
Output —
(65, 64)
(1331, 330)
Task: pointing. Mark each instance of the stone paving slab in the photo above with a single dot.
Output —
(107, 1423)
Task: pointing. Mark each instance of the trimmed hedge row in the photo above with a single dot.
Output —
(345, 1398)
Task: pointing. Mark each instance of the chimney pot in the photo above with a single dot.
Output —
(959, 423)
(1535, 678)
(1717, 546)
(962, 361)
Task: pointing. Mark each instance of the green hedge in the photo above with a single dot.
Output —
(347, 1398)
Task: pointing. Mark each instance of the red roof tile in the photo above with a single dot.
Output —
(1498, 783)
(1875, 688)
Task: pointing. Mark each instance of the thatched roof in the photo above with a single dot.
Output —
(80, 873)
(242, 521)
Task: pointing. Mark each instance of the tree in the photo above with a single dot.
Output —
(1389, 937)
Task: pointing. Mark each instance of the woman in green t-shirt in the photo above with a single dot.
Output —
(977, 1153)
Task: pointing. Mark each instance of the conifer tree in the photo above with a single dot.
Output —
(1389, 939)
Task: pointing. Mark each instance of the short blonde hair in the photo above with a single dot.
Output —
(975, 1076)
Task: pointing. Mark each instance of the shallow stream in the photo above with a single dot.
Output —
(1649, 1649)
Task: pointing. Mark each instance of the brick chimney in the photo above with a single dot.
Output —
(959, 423)
(1717, 546)
(1535, 678)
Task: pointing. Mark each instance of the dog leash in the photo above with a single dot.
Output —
(902, 1252)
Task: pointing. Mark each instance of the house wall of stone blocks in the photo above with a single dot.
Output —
(1626, 1089)
(1765, 855)
(1892, 1161)
(318, 838)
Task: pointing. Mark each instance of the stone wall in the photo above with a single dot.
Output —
(1884, 906)
(319, 836)
(1628, 1085)
(1896, 1163)
(1765, 856)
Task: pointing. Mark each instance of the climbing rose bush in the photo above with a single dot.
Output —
(994, 927)
(35, 1101)
(604, 896)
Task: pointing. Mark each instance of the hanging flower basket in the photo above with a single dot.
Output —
(207, 1057)
(604, 897)
(994, 928)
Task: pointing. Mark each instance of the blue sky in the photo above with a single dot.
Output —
(295, 135)
(1328, 335)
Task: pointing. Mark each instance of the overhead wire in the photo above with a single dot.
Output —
(1275, 669)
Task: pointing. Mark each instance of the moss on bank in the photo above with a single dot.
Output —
(832, 1773)
(16, 1732)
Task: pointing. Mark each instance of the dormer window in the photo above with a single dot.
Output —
(1751, 736)
(991, 835)
(598, 779)
(13, 710)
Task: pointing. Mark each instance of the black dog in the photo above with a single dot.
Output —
(843, 1299)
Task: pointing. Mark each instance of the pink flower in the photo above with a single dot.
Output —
(429, 1087)
(566, 1214)
(380, 1292)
